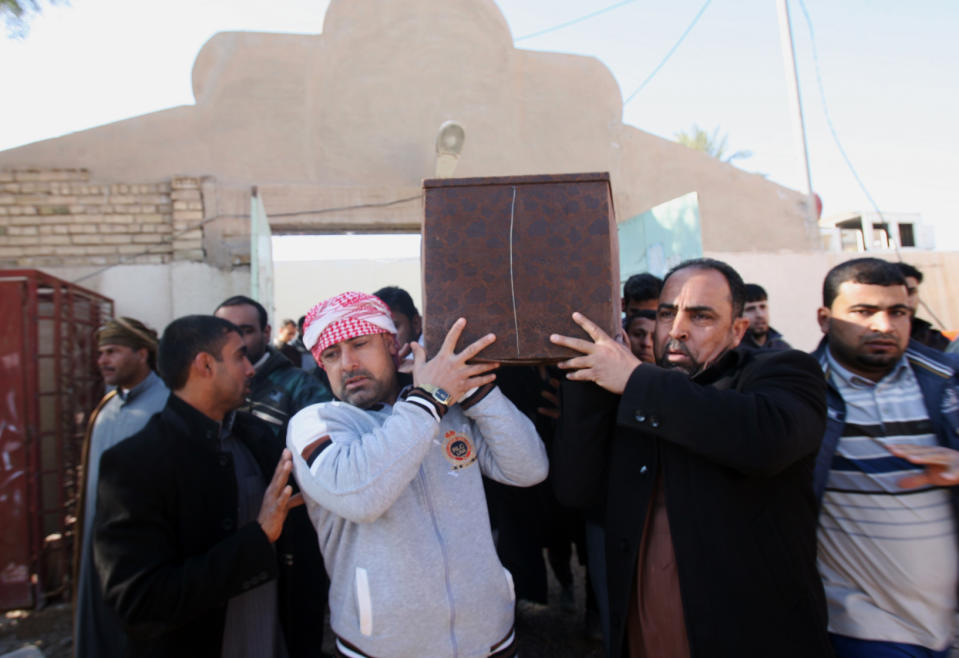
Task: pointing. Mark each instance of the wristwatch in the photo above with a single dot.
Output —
(438, 394)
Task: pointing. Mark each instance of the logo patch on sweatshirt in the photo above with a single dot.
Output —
(458, 449)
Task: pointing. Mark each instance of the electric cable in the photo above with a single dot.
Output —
(573, 22)
(829, 123)
(842, 151)
(669, 54)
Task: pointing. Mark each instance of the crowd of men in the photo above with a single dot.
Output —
(729, 495)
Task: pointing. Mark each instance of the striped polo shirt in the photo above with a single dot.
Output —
(888, 556)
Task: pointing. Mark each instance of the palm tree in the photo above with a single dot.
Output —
(15, 15)
(712, 144)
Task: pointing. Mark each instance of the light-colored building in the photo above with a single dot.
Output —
(858, 232)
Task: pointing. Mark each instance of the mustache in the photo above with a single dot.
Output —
(673, 345)
(878, 335)
(357, 373)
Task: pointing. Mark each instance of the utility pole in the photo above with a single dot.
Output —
(795, 101)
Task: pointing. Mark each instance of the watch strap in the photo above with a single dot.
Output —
(425, 401)
(438, 394)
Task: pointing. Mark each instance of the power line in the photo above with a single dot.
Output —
(382, 204)
(610, 8)
(574, 21)
(842, 151)
(832, 128)
(665, 59)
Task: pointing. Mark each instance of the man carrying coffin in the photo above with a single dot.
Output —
(704, 467)
(391, 476)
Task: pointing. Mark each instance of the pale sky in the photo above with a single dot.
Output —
(888, 69)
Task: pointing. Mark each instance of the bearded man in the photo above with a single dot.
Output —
(127, 362)
(704, 468)
(887, 470)
(391, 476)
(760, 335)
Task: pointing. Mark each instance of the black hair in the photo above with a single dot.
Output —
(641, 287)
(737, 289)
(870, 271)
(910, 270)
(646, 313)
(398, 300)
(755, 293)
(299, 324)
(186, 337)
(243, 300)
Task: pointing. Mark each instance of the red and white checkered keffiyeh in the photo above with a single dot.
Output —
(348, 315)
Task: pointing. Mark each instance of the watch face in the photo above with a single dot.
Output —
(441, 396)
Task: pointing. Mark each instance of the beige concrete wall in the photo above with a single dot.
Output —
(158, 294)
(325, 123)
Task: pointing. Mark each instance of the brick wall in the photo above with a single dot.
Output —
(57, 217)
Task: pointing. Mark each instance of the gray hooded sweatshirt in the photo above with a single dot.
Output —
(396, 498)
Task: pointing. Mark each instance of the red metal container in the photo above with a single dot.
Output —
(49, 384)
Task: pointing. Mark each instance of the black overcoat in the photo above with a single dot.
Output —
(167, 546)
(735, 448)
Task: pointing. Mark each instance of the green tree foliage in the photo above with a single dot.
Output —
(15, 15)
(712, 144)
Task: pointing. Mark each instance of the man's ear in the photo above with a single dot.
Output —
(740, 325)
(202, 365)
(266, 334)
(417, 325)
(622, 304)
(823, 316)
(391, 344)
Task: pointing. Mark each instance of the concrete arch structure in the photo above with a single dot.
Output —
(349, 117)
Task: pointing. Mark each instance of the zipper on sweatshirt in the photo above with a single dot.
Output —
(446, 562)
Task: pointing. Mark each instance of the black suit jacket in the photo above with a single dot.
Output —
(735, 448)
(167, 546)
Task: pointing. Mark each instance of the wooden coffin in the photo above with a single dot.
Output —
(516, 256)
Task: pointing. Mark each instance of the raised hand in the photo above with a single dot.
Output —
(605, 361)
(449, 370)
(278, 499)
(942, 465)
(405, 365)
(549, 394)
